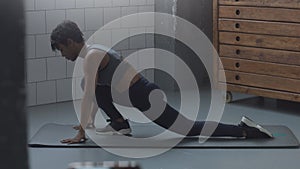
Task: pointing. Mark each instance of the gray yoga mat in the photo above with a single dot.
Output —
(50, 135)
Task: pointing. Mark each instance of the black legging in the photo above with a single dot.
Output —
(139, 96)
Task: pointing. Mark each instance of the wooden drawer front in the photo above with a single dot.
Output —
(260, 27)
(269, 3)
(263, 68)
(265, 41)
(264, 92)
(254, 13)
(263, 81)
(260, 54)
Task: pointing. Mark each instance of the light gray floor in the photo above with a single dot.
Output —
(264, 111)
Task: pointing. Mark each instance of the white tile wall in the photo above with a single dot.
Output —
(93, 18)
(88, 34)
(146, 9)
(137, 42)
(150, 2)
(146, 58)
(30, 46)
(64, 90)
(111, 14)
(46, 92)
(120, 35)
(129, 10)
(129, 21)
(150, 41)
(76, 15)
(36, 70)
(64, 4)
(126, 53)
(29, 5)
(56, 68)
(48, 74)
(43, 47)
(31, 94)
(53, 18)
(103, 37)
(44, 4)
(138, 2)
(123, 45)
(103, 3)
(120, 2)
(146, 19)
(35, 22)
(84, 3)
(150, 29)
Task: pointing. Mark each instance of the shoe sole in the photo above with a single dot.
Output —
(251, 123)
(120, 132)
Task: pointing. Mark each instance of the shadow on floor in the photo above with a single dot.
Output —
(282, 106)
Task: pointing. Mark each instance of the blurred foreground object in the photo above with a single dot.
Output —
(13, 137)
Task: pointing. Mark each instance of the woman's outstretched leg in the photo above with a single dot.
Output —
(171, 119)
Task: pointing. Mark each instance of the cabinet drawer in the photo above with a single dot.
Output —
(265, 41)
(260, 27)
(260, 54)
(255, 13)
(264, 92)
(262, 81)
(263, 68)
(264, 3)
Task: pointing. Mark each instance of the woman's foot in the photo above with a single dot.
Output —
(79, 138)
(253, 130)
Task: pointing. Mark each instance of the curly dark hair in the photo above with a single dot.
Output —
(64, 31)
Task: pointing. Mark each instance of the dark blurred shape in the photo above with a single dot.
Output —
(13, 141)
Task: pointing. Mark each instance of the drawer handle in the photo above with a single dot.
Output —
(237, 51)
(237, 38)
(237, 12)
(237, 65)
(237, 77)
(236, 0)
(237, 25)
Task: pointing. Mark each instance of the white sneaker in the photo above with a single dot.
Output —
(246, 122)
(114, 127)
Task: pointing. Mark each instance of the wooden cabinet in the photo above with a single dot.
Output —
(258, 42)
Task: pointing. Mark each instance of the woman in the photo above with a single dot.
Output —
(99, 67)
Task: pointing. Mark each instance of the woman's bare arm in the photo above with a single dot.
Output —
(90, 67)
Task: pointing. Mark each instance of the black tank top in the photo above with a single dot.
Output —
(105, 75)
